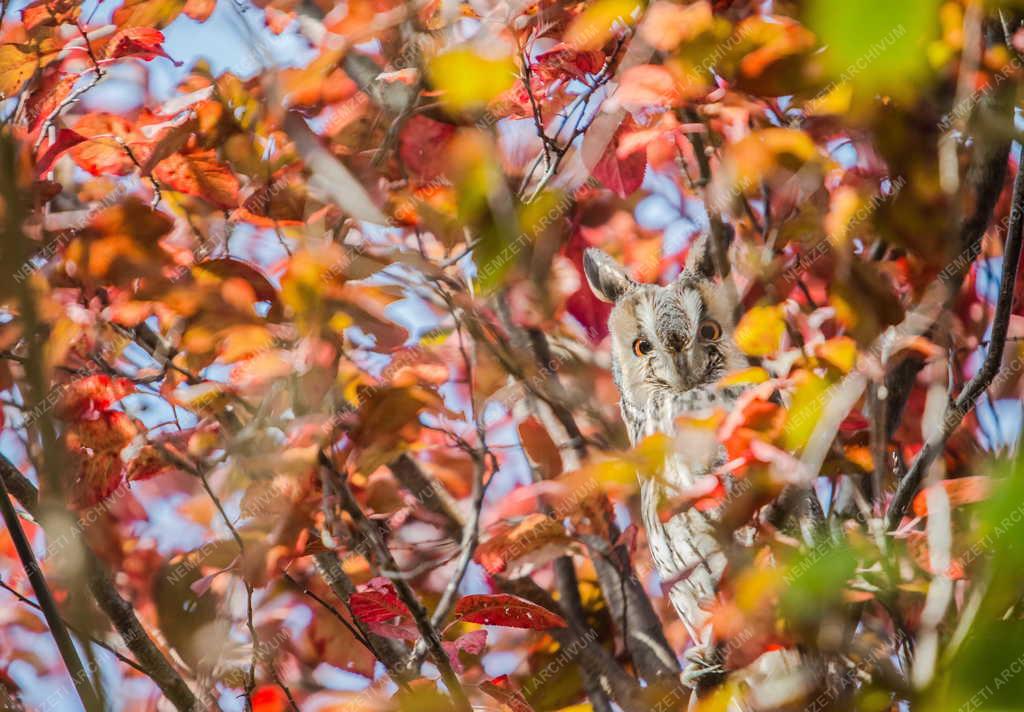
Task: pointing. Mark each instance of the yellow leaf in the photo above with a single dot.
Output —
(468, 80)
(754, 374)
(840, 353)
(595, 25)
(760, 331)
(836, 100)
(244, 341)
(148, 13)
(340, 321)
(811, 395)
(17, 63)
(848, 208)
(772, 154)
(64, 334)
(614, 472)
(648, 457)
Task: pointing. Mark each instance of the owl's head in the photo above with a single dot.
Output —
(677, 336)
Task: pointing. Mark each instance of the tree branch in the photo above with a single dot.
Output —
(79, 676)
(118, 610)
(964, 403)
(984, 182)
(387, 563)
(390, 652)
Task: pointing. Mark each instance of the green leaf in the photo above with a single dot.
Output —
(878, 45)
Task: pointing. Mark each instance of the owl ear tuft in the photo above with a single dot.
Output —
(700, 259)
(607, 279)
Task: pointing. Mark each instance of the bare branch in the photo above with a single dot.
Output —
(964, 403)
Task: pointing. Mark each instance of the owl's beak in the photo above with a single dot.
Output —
(686, 368)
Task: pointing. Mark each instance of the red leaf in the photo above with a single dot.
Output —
(621, 175)
(407, 631)
(472, 642)
(86, 398)
(142, 42)
(66, 138)
(377, 601)
(269, 698)
(501, 690)
(422, 145)
(506, 610)
(965, 490)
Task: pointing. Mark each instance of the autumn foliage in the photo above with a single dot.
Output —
(307, 406)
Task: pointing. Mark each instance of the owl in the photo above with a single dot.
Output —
(669, 346)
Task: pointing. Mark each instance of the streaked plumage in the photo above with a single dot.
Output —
(670, 345)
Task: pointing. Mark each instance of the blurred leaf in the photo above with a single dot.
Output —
(593, 27)
(469, 81)
(878, 45)
(963, 490)
(815, 581)
(760, 331)
(536, 534)
(501, 689)
(808, 402)
(840, 353)
(148, 13)
(540, 447)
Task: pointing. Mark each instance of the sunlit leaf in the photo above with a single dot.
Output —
(469, 81)
(808, 402)
(598, 21)
(760, 331)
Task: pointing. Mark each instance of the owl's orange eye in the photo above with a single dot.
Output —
(710, 330)
(642, 347)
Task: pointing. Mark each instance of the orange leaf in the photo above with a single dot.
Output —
(540, 447)
(537, 531)
(964, 490)
(200, 10)
(104, 153)
(148, 13)
(200, 173)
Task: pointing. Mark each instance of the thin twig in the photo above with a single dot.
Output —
(386, 562)
(47, 604)
(78, 631)
(957, 410)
